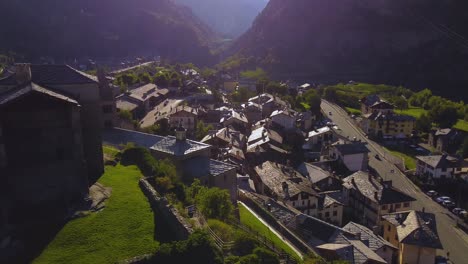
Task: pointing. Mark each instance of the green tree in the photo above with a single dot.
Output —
(330, 94)
(145, 77)
(202, 130)
(463, 151)
(214, 203)
(161, 79)
(423, 123)
(445, 115)
(265, 256)
(312, 98)
(127, 79)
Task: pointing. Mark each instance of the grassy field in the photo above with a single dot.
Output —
(124, 229)
(353, 111)
(109, 151)
(251, 221)
(462, 125)
(415, 112)
(410, 161)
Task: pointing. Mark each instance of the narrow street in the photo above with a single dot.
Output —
(453, 239)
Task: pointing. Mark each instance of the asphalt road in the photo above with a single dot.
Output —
(453, 239)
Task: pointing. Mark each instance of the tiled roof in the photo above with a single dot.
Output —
(382, 105)
(353, 148)
(416, 228)
(389, 117)
(374, 189)
(125, 104)
(118, 136)
(263, 133)
(370, 100)
(438, 161)
(227, 135)
(171, 146)
(373, 241)
(443, 132)
(144, 92)
(17, 92)
(59, 74)
(313, 173)
(203, 166)
(273, 175)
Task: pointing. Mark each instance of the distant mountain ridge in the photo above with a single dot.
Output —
(77, 28)
(228, 17)
(418, 43)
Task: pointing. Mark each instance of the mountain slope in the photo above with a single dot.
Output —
(77, 28)
(229, 17)
(418, 43)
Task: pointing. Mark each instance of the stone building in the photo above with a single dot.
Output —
(50, 138)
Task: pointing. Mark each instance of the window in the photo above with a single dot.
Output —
(397, 206)
(106, 109)
(335, 213)
(389, 227)
(384, 207)
(444, 169)
(293, 204)
(401, 130)
(327, 214)
(406, 204)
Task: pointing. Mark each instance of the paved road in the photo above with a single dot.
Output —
(453, 240)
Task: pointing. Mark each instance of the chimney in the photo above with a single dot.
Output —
(376, 196)
(23, 73)
(181, 133)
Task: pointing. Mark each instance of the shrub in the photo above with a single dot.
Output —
(223, 230)
(244, 243)
(214, 203)
(265, 256)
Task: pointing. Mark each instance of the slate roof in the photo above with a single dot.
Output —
(373, 241)
(370, 100)
(202, 166)
(416, 228)
(443, 132)
(171, 146)
(235, 115)
(118, 136)
(144, 92)
(264, 133)
(54, 75)
(360, 182)
(353, 148)
(227, 135)
(382, 105)
(273, 175)
(376, 116)
(320, 131)
(439, 161)
(20, 91)
(124, 104)
(313, 173)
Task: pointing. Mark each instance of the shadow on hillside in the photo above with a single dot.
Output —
(29, 241)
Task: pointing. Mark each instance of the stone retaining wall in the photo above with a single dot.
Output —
(161, 207)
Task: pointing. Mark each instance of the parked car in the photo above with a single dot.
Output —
(457, 210)
(440, 260)
(441, 199)
(330, 113)
(432, 193)
(377, 156)
(463, 214)
(449, 204)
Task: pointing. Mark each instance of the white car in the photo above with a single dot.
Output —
(442, 199)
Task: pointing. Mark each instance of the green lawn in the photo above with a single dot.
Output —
(353, 111)
(415, 112)
(251, 221)
(462, 125)
(109, 150)
(410, 161)
(124, 229)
